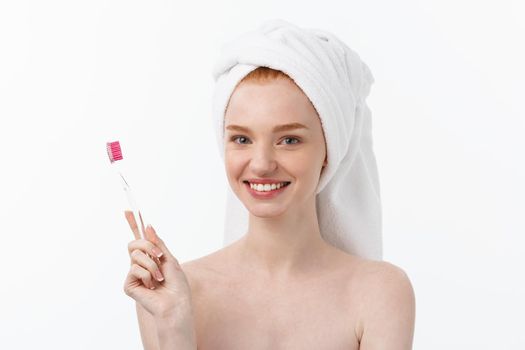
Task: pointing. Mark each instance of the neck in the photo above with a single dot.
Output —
(282, 246)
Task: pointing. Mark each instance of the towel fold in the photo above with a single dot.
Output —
(337, 83)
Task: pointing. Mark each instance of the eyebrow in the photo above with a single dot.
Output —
(278, 128)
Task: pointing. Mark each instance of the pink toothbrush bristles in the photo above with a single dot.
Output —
(114, 151)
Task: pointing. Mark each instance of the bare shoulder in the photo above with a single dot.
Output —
(203, 270)
(385, 282)
(194, 269)
(205, 264)
(383, 274)
(388, 306)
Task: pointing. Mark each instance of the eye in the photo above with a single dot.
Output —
(238, 137)
(295, 140)
(292, 138)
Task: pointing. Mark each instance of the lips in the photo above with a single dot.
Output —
(265, 181)
(286, 183)
(266, 194)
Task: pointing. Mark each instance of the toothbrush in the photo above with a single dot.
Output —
(115, 154)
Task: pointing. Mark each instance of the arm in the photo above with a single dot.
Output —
(389, 319)
(176, 333)
(165, 314)
(167, 333)
(148, 329)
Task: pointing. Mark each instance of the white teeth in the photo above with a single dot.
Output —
(266, 187)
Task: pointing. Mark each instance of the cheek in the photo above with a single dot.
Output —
(233, 163)
(303, 164)
(304, 158)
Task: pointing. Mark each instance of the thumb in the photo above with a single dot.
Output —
(151, 235)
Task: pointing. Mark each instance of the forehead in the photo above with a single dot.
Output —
(276, 102)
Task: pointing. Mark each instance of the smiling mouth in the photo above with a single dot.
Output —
(285, 184)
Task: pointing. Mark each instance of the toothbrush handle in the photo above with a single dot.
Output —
(136, 212)
(139, 220)
(132, 204)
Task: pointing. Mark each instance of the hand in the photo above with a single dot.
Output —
(171, 296)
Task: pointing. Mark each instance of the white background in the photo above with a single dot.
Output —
(448, 127)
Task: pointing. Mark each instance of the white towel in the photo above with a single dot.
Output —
(337, 82)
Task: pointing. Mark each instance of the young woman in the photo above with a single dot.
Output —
(281, 285)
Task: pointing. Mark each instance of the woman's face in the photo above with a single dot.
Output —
(264, 140)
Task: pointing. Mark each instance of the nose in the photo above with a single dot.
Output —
(263, 160)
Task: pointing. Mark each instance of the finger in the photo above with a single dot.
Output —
(146, 262)
(146, 246)
(134, 281)
(152, 234)
(141, 223)
(132, 223)
(142, 274)
(152, 237)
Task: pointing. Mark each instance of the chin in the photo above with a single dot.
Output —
(265, 211)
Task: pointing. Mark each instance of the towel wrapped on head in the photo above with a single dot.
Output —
(337, 83)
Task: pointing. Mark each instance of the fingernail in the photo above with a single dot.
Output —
(157, 252)
(159, 276)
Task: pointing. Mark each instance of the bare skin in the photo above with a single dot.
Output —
(234, 308)
(345, 303)
(281, 286)
(237, 308)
